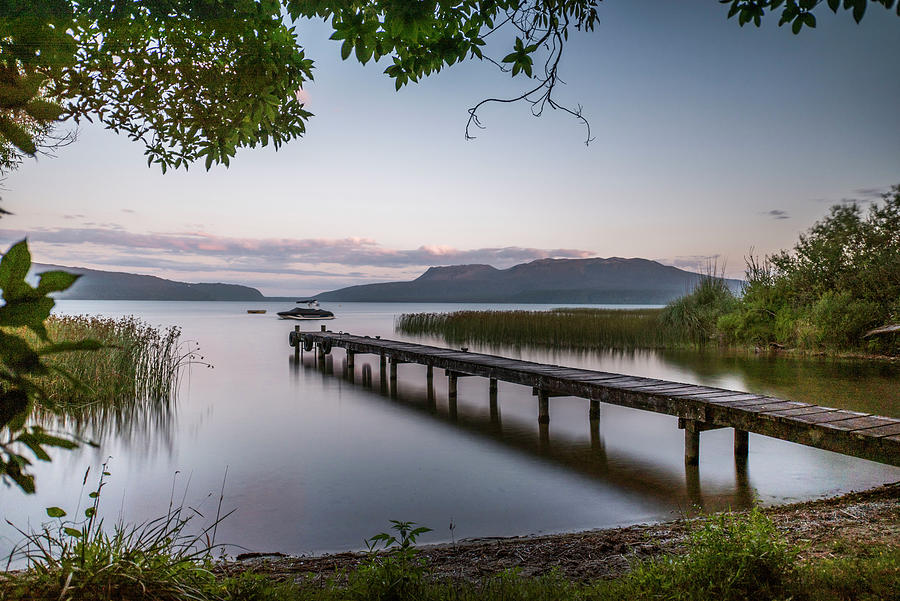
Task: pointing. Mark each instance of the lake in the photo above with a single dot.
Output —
(316, 462)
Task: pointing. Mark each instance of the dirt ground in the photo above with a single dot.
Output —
(820, 528)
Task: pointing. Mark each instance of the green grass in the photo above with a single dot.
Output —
(578, 328)
(729, 557)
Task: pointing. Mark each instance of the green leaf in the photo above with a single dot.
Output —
(55, 512)
(14, 267)
(56, 281)
(73, 532)
(90, 512)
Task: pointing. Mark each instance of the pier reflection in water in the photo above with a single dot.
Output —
(586, 456)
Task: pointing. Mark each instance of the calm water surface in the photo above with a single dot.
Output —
(318, 461)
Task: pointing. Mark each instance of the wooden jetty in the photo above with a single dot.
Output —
(698, 408)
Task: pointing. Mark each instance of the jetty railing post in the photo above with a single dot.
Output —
(741, 445)
(543, 407)
(691, 442)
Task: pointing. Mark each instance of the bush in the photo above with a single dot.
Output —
(695, 316)
(731, 557)
(843, 319)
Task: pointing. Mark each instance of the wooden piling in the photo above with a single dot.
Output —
(299, 345)
(393, 371)
(543, 407)
(451, 386)
(691, 442)
(350, 362)
(741, 445)
(594, 411)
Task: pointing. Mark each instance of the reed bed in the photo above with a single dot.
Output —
(566, 328)
(138, 362)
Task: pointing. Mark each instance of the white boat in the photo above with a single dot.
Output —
(311, 311)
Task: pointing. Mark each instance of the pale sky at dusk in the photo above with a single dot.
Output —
(711, 139)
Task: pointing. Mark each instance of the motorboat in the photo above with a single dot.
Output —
(311, 311)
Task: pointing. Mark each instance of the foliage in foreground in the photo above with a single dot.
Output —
(729, 557)
(80, 558)
(22, 365)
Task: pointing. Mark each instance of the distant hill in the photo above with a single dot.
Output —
(614, 281)
(112, 285)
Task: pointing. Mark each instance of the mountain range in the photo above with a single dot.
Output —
(614, 280)
(113, 285)
(603, 281)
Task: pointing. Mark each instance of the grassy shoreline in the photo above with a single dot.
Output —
(846, 547)
(585, 328)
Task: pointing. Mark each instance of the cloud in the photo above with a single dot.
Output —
(871, 194)
(777, 214)
(279, 254)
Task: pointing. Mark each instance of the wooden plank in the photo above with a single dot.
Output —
(890, 430)
(803, 411)
(739, 398)
(872, 421)
(829, 416)
(771, 405)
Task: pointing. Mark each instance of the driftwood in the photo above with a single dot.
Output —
(888, 329)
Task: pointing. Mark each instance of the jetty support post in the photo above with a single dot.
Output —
(543, 407)
(429, 373)
(691, 443)
(393, 370)
(299, 346)
(451, 385)
(350, 360)
(543, 396)
(741, 445)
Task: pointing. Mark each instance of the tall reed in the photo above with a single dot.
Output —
(560, 328)
(138, 361)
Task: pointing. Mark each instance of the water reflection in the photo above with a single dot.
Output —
(586, 456)
(147, 424)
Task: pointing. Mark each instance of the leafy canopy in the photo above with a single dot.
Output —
(196, 80)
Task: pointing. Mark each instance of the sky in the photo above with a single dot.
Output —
(711, 140)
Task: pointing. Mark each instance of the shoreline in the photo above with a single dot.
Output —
(819, 528)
